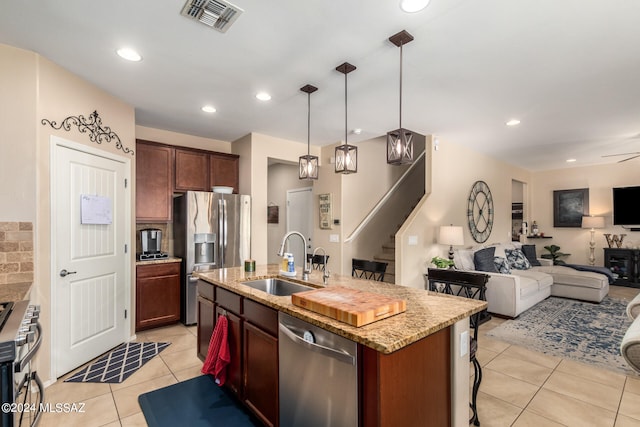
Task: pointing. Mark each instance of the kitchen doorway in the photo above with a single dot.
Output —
(90, 258)
(300, 218)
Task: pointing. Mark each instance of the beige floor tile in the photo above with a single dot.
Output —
(62, 392)
(632, 385)
(509, 389)
(532, 356)
(98, 411)
(570, 411)
(154, 368)
(529, 419)
(493, 412)
(127, 398)
(187, 374)
(181, 342)
(624, 421)
(603, 396)
(135, 420)
(492, 344)
(182, 359)
(630, 405)
(485, 356)
(165, 333)
(193, 329)
(602, 376)
(520, 369)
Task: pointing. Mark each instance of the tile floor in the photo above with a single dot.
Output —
(519, 387)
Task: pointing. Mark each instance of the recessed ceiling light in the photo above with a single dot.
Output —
(411, 6)
(357, 131)
(513, 122)
(263, 96)
(209, 109)
(129, 54)
(571, 160)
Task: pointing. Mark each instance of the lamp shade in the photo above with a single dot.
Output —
(592, 222)
(451, 235)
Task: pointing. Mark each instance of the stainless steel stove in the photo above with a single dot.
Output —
(21, 391)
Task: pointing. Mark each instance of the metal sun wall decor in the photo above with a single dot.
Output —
(97, 132)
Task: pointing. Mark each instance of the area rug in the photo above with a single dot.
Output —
(581, 331)
(197, 402)
(119, 364)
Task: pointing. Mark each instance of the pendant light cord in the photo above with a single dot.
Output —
(400, 120)
(345, 108)
(308, 123)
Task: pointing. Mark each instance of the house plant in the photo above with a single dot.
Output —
(554, 254)
(442, 262)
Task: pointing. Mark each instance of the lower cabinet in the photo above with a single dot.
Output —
(157, 295)
(252, 334)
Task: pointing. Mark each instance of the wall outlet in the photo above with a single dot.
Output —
(412, 241)
(464, 343)
(334, 238)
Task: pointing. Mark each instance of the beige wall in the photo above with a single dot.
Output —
(599, 180)
(182, 140)
(35, 88)
(451, 171)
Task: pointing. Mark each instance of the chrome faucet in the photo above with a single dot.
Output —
(325, 270)
(305, 269)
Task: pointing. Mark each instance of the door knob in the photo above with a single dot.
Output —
(64, 273)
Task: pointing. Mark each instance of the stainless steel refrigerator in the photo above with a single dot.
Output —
(210, 231)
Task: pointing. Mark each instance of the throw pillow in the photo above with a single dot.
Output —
(530, 252)
(483, 260)
(501, 265)
(463, 259)
(517, 260)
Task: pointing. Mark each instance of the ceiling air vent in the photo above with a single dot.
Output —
(217, 14)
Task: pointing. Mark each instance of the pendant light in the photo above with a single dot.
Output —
(346, 155)
(400, 141)
(308, 165)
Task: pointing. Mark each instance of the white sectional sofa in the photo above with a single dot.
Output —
(509, 294)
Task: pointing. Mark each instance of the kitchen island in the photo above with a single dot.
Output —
(411, 368)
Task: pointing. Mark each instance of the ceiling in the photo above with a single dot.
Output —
(567, 69)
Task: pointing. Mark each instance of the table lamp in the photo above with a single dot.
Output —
(451, 235)
(592, 222)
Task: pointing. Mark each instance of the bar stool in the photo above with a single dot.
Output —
(371, 270)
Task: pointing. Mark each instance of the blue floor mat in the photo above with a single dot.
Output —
(198, 402)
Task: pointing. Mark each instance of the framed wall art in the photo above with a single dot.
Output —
(273, 214)
(569, 206)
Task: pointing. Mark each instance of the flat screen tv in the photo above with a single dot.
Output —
(625, 206)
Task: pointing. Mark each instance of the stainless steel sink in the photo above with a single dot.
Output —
(275, 286)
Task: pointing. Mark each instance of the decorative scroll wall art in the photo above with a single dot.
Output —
(93, 126)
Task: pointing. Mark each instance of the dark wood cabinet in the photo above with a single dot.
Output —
(624, 264)
(252, 334)
(223, 170)
(163, 169)
(191, 170)
(154, 180)
(157, 295)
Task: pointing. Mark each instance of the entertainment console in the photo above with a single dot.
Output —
(625, 264)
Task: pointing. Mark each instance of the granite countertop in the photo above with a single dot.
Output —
(159, 261)
(15, 292)
(427, 312)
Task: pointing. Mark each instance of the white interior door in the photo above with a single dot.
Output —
(300, 218)
(90, 216)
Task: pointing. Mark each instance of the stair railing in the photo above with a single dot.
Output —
(383, 200)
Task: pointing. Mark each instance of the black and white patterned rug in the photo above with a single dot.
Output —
(119, 364)
(582, 331)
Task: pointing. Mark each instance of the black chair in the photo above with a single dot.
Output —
(317, 262)
(371, 270)
(469, 285)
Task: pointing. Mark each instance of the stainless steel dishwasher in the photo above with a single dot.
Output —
(318, 376)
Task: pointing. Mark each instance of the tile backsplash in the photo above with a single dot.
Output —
(16, 252)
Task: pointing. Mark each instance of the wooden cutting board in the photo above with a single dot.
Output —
(357, 308)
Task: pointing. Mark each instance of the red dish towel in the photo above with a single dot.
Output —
(218, 356)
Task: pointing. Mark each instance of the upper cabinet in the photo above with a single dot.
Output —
(154, 180)
(192, 170)
(162, 170)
